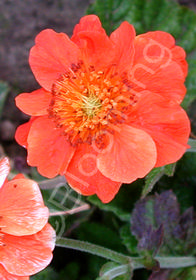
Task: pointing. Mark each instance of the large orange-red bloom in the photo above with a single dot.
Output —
(26, 239)
(108, 109)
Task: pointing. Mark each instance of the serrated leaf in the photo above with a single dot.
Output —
(144, 228)
(151, 241)
(163, 211)
(4, 89)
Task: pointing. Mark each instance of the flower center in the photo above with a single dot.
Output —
(91, 105)
(87, 102)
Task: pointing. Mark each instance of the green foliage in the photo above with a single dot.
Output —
(129, 240)
(123, 203)
(46, 274)
(154, 176)
(157, 224)
(4, 89)
(100, 234)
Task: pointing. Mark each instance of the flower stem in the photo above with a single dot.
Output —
(134, 262)
(116, 271)
(93, 249)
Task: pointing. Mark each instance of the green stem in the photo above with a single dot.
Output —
(116, 271)
(176, 262)
(134, 262)
(93, 249)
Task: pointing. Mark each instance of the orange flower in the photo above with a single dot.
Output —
(26, 239)
(108, 110)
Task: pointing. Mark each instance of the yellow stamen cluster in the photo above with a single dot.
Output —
(86, 102)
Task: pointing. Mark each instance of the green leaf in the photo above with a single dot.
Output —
(100, 234)
(129, 240)
(153, 177)
(4, 89)
(46, 274)
(123, 202)
(124, 216)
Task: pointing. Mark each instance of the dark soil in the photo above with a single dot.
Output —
(20, 22)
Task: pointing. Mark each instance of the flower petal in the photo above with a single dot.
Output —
(4, 275)
(35, 103)
(47, 148)
(159, 66)
(52, 56)
(123, 38)
(97, 48)
(22, 132)
(22, 211)
(27, 255)
(167, 42)
(132, 155)
(167, 123)
(167, 81)
(4, 170)
(83, 175)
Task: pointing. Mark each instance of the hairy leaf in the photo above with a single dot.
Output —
(156, 219)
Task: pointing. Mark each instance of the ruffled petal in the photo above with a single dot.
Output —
(97, 49)
(22, 210)
(167, 123)
(84, 176)
(123, 39)
(52, 56)
(4, 275)
(35, 103)
(47, 148)
(4, 170)
(27, 255)
(167, 81)
(132, 155)
(159, 66)
(158, 39)
(22, 132)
